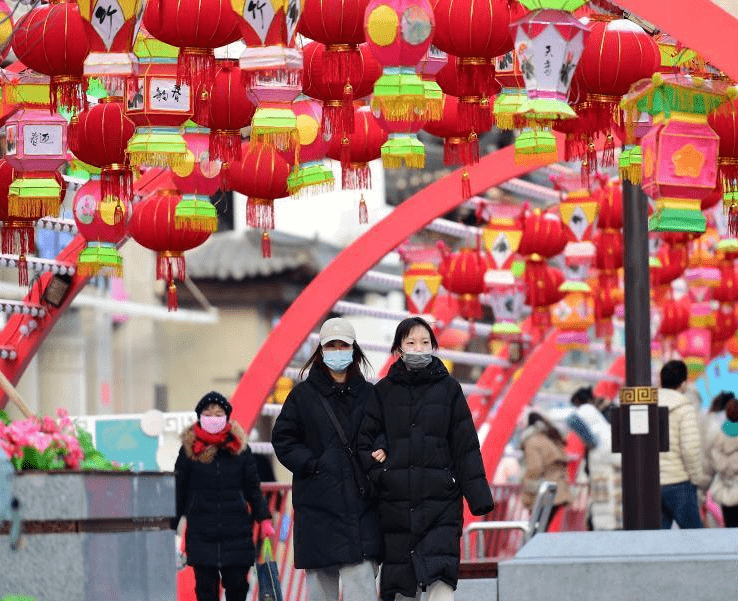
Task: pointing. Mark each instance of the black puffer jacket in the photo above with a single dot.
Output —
(333, 524)
(213, 489)
(432, 459)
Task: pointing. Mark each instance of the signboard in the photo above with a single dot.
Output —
(123, 441)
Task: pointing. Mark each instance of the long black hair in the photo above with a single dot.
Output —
(360, 362)
(547, 427)
(404, 328)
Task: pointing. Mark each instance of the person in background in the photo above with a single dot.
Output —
(544, 457)
(723, 463)
(602, 466)
(218, 492)
(681, 468)
(336, 530)
(715, 417)
(585, 395)
(421, 449)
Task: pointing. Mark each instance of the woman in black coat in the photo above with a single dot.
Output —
(335, 530)
(216, 483)
(427, 457)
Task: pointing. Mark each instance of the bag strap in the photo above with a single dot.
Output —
(336, 423)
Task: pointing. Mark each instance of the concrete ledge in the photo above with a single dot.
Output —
(653, 565)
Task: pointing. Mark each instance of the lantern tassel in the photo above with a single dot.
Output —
(341, 64)
(201, 114)
(356, 178)
(73, 137)
(266, 245)
(68, 92)
(347, 109)
(465, 185)
(345, 153)
(225, 146)
(363, 211)
(22, 270)
(733, 221)
(728, 169)
(196, 68)
(172, 303)
(260, 213)
(608, 155)
(116, 184)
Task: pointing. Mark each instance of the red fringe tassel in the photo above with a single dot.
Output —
(225, 146)
(338, 120)
(69, 93)
(461, 152)
(356, 178)
(345, 153)
(116, 185)
(260, 213)
(342, 65)
(728, 176)
(733, 221)
(195, 68)
(165, 267)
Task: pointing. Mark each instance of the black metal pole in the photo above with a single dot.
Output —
(637, 427)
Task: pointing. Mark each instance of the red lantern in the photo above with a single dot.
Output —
(462, 274)
(103, 227)
(458, 23)
(337, 97)
(674, 318)
(52, 39)
(99, 137)
(543, 234)
(473, 93)
(616, 54)
(606, 298)
(354, 151)
(229, 109)
(339, 24)
(262, 176)
(542, 284)
(723, 122)
(196, 27)
(610, 198)
(153, 227)
(609, 245)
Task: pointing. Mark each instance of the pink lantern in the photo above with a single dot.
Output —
(97, 223)
(695, 345)
(399, 32)
(312, 173)
(197, 178)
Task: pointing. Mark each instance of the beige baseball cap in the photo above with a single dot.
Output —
(337, 328)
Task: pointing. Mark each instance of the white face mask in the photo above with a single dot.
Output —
(338, 360)
(415, 360)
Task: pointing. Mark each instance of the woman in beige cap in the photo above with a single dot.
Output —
(336, 532)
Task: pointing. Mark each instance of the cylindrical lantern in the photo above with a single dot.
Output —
(197, 178)
(680, 151)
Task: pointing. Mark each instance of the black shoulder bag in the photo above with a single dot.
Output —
(366, 490)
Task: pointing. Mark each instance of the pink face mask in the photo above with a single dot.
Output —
(213, 423)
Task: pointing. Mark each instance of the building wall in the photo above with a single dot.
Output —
(730, 6)
(197, 358)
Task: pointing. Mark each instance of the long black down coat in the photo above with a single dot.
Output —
(333, 524)
(213, 489)
(433, 459)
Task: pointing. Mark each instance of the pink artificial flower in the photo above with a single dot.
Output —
(48, 425)
(40, 441)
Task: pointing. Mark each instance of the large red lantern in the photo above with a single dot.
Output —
(542, 284)
(617, 53)
(337, 97)
(543, 234)
(52, 39)
(229, 109)
(354, 151)
(153, 226)
(339, 24)
(99, 137)
(101, 224)
(261, 175)
(610, 197)
(196, 27)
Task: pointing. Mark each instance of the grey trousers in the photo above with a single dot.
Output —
(436, 591)
(358, 581)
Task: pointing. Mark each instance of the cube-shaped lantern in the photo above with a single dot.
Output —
(36, 140)
(507, 296)
(501, 237)
(420, 282)
(579, 211)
